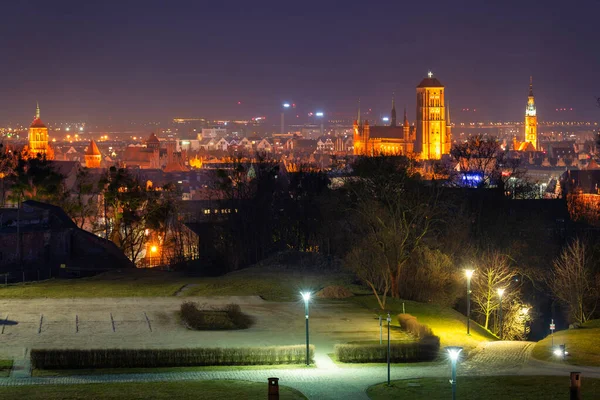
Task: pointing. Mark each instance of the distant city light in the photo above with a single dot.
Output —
(81, 128)
(385, 119)
(286, 105)
(319, 114)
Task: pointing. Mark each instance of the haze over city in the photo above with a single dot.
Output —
(117, 62)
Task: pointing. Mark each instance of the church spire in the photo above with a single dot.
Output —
(358, 117)
(37, 110)
(448, 114)
(405, 119)
(531, 86)
(393, 123)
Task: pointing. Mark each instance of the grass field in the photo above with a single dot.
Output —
(581, 344)
(106, 371)
(215, 390)
(448, 324)
(485, 388)
(153, 283)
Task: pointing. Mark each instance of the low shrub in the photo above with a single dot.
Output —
(204, 318)
(154, 358)
(424, 350)
(410, 324)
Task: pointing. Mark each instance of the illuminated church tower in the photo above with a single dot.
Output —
(38, 137)
(531, 118)
(93, 157)
(433, 135)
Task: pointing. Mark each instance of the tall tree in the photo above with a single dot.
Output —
(573, 283)
(394, 208)
(493, 271)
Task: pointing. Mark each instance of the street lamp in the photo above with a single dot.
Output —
(469, 274)
(306, 297)
(285, 105)
(389, 319)
(500, 293)
(320, 114)
(453, 353)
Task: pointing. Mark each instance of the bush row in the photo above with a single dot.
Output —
(424, 350)
(213, 318)
(151, 358)
(410, 324)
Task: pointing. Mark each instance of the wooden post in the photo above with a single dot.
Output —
(575, 389)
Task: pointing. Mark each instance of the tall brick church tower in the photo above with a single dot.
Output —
(433, 133)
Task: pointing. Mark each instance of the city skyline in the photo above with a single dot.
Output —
(103, 63)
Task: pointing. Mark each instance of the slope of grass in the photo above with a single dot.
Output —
(215, 390)
(270, 284)
(581, 344)
(448, 324)
(485, 388)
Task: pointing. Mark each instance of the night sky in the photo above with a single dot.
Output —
(155, 60)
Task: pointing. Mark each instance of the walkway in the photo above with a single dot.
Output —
(328, 381)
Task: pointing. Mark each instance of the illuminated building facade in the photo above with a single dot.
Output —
(383, 140)
(38, 138)
(434, 136)
(531, 118)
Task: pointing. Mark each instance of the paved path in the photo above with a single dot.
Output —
(328, 381)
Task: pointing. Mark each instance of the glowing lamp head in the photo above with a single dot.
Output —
(469, 273)
(525, 310)
(558, 352)
(385, 119)
(319, 114)
(286, 105)
(305, 295)
(153, 249)
(453, 352)
(501, 292)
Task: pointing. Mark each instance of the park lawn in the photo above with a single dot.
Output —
(485, 388)
(448, 324)
(251, 281)
(109, 371)
(124, 283)
(215, 390)
(581, 344)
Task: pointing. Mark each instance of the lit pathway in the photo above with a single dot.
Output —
(328, 381)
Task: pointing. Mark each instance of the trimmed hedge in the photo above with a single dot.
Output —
(152, 358)
(423, 350)
(206, 318)
(410, 324)
(426, 348)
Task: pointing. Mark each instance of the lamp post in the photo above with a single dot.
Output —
(306, 297)
(469, 274)
(389, 319)
(500, 293)
(453, 353)
(285, 106)
(320, 115)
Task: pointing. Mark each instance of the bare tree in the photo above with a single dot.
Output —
(572, 281)
(515, 319)
(394, 208)
(493, 272)
(484, 163)
(367, 260)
